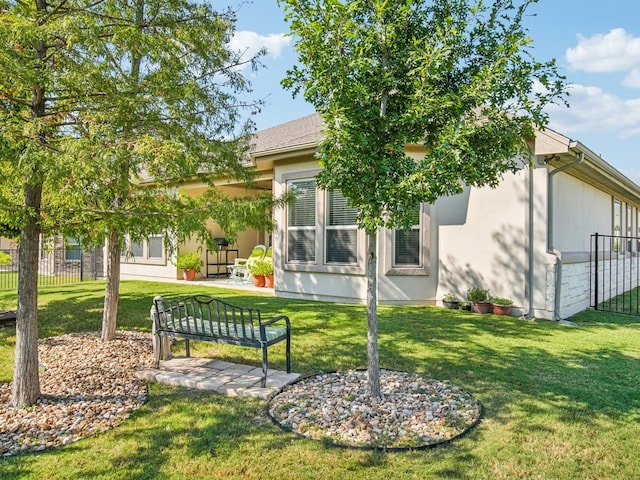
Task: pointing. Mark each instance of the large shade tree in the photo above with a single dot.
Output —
(97, 99)
(455, 76)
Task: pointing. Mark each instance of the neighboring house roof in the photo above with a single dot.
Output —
(300, 134)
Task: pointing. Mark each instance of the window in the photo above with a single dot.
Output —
(406, 244)
(322, 233)
(638, 229)
(407, 251)
(301, 222)
(617, 226)
(72, 249)
(617, 218)
(341, 231)
(156, 249)
(136, 249)
(149, 250)
(629, 227)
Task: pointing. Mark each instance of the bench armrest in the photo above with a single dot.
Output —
(276, 319)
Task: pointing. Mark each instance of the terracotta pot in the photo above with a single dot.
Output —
(482, 307)
(501, 309)
(258, 280)
(189, 275)
(268, 281)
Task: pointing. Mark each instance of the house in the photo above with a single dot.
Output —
(528, 239)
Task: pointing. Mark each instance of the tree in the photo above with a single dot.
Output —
(454, 76)
(164, 106)
(97, 99)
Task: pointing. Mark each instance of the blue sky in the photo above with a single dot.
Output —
(596, 45)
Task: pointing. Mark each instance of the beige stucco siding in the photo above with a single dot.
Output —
(480, 240)
(476, 238)
(580, 210)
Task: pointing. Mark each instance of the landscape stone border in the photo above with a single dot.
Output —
(412, 413)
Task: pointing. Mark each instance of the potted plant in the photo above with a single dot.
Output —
(501, 306)
(480, 299)
(259, 271)
(190, 264)
(451, 301)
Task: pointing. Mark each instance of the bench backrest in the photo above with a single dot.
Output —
(207, 316)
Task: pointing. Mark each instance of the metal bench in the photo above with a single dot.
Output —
(202, 317)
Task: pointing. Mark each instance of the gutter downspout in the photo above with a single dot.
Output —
(550, 247)
(531, 255)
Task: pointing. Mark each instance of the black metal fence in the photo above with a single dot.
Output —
(56, 266)
(615, 274)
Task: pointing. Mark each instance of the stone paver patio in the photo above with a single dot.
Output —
(226, 378)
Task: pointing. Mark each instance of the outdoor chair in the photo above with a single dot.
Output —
(240, 271)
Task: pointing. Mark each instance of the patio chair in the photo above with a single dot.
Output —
(239, 272)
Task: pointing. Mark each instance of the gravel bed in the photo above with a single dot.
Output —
(412, 412)
(86, 387)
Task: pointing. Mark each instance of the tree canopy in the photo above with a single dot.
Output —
(456, 77)
(105, 109)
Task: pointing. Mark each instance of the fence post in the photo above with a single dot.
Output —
(597, 267)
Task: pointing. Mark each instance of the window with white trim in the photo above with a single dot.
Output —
(406, 244)
(301, 222)
(341, 231)
(322, 233)
(148, 250)
(406, 252)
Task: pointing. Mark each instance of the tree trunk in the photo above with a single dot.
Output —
(26, 381)
(112, 288)
(373, 367)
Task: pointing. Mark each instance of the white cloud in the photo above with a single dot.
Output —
(249, 43)
(616, 51)
(594, 110)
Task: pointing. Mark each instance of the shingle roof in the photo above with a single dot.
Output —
(303, 132)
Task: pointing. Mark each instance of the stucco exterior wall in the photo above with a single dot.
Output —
(477, 238)
(480, 239)
(580, 210)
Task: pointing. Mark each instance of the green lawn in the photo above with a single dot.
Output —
(559, 402)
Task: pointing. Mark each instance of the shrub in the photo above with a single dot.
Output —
(450, 297)
(261, 268)
(502, 301)
(478, 295)
(189, 261)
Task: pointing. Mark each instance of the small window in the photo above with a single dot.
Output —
(617, 226)
(406, 252)
(406, 244)
(629, 227)
(72, 249)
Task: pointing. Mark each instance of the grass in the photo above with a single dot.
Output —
(559, 402)
(628, 302)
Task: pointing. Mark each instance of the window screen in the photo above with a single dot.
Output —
(301, 222)
(341, 230)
